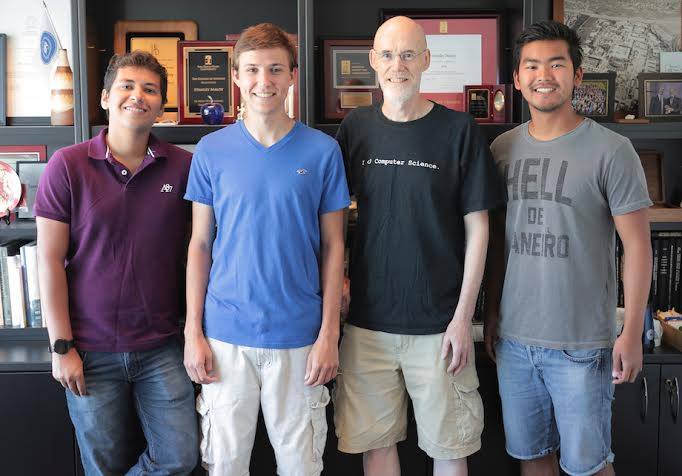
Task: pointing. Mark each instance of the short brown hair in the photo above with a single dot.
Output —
(262, 37)
(137, 59)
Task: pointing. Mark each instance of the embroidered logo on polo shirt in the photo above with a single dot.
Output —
(301, 171)
(167, 188)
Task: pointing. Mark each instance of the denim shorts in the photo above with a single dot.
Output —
(557, 399)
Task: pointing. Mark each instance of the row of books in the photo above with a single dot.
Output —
(19, 289)
(665, 292)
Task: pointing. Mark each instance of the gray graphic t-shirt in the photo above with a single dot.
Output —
(560, 284)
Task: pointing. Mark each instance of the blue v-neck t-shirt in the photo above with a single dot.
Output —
(264, 284)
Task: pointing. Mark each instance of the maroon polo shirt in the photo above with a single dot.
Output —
(127, 243)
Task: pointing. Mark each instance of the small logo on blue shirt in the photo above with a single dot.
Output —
(48, 47)
(301, 171)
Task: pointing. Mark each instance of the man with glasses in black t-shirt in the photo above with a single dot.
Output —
(424, 180)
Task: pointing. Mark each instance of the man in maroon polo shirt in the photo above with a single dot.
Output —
(112, 225)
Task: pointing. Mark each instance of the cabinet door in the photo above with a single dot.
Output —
(635, 424)
(670, 434)
(37, 437)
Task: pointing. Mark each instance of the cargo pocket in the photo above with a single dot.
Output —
(318, 398)
(469, 405)
(205, 419)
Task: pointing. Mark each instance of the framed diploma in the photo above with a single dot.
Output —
(489, 102)
(205, 69)
(159, 38)
(349, 80)
(465, 49)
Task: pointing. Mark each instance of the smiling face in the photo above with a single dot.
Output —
(264, 78)
(134, 99)
(399, 79)
(546, 77)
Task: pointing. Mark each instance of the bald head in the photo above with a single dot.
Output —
(400, 30)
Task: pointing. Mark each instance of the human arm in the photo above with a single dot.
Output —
(457, 336)
(198, 356)
(494, 281)
(323, 360)
(634, 232)
(53, 244)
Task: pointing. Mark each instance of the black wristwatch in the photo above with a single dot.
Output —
(62, 346)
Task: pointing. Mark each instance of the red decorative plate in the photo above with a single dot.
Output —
(10, 189)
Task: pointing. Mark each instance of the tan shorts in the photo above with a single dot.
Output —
(377, 373)
(294, 414)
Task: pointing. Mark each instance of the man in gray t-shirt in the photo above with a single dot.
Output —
(571, 183)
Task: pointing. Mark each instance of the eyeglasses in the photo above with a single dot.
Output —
(405, 56)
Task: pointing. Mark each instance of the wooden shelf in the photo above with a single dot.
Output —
(665, 215)
(177, 134)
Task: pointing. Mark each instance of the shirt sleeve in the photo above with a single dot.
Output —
(624, 181)
(334, 188)
(481, 184)
(341, 138)
(53, 197)
(199, 186)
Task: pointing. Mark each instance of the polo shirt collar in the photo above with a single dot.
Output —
(98, 148)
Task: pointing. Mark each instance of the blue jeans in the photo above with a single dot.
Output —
(555, 399)
(150, 386)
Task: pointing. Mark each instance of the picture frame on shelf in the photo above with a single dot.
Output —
(11, 154)
(349, 79)
(490, 103)
(205, 69)
(594, 98)
(465, 49)
(160, 38)
(3, 79)
(660, 96)
(29, 176)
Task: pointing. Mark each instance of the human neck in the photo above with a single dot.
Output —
(546, 126)
(127, 145)
(268, 129)
(416, 108)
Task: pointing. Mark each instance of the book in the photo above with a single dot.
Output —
(29, 261)
(7, 248)
(15, 282)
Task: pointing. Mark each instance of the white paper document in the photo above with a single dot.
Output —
(455, 62)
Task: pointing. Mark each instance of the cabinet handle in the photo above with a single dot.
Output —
(645, 399)
(674, 394)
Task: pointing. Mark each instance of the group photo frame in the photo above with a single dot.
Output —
(594, 98)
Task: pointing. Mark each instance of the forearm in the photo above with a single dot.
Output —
(331, 275)
(198, 270)
(54, 298)
(474, 265)
(637, 264)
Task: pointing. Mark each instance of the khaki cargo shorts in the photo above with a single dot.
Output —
(377, 373)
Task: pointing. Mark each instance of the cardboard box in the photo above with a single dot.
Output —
(671, 335)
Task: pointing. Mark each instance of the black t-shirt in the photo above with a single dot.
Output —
(414, 182)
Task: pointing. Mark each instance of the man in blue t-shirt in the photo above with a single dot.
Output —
(264, 286)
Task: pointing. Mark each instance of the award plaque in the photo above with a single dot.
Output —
(489, 102)
(349, 80)
(205, 69)
(160, 38)
(465, 49)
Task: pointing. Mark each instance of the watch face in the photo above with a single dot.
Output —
(61, 346)
(498, 101)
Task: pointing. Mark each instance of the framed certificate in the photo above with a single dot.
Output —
(465, 49)
(159, 38)
(205, 69)
(349, 80)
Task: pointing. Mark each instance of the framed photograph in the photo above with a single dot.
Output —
(660, 96)
(652, 162)
(349, 80)
(617, 36)
(11, 154)
(465, 49)
(29, 176)
(594, 97)
(159, 38)
(205, 69)
(3, 79)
